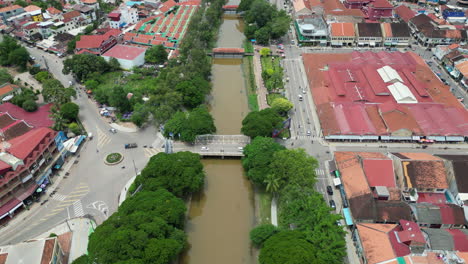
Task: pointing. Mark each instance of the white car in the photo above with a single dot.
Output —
(308, 132)
(205, 148)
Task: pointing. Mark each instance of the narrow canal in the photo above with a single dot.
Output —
(221, 217)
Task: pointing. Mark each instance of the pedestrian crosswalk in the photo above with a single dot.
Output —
(149, 152)
(78, 208)
(103, 138)
(100, 206)
(59, 197)
(319, 172)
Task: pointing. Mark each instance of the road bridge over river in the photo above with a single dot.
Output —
(215, 145)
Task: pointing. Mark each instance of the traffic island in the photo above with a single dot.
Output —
(113, 158)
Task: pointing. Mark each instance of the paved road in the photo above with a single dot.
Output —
(92, 187)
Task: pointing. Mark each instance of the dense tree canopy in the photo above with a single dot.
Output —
(54, 92)
(156, 54)
(193, 91)
(138, 233)
(29, 105)
(70, 111)
(257, 158)
(264, 21)
(180, 173)
(288, 247)
(187, 125)
(83, 65)
(25, 95)
(13, 54)
(294, 166)
(261, 123)
(161, 202)
(261, 233)
(5, 76)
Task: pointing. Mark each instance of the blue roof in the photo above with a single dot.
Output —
(132, 3)
(347, 216)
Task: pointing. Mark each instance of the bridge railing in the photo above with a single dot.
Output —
(222, 139)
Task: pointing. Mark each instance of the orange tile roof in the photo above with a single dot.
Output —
(376, 244)
(463, 255)
(419, 156)
(53, 11)
(89, 1)
(343, 30)
(335, 7)
(462, 68)
(352, 174)
(9, 8)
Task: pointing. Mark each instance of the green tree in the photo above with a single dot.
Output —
(83, 259)
(74, 128)
(114, 64)
(140, 114)
(70, 111)
(19, 57)
(188, 125)
(257, 158)
(5, 77)
(42, 76)
(260, 12)
(261, 123)
(288, 247)
(118, 98)
(272, 183)
(71, 45)
(21, 3)
(180, 173)
(294, 166)
(282, 105)
(54, 92)
(264, 52)
(280, 25)
(59, 121)
(83, 65)
(307, 210)
(29, 105)
(261, 233)
(193, 91)
(91, 84)
(156, 55)
(162, 203)
(25, 95)
(88, 29)
(262, 35)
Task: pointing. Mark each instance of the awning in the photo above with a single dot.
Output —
(10, 205)
(336, 181)
(384, 137)
(455, 138)
(416, 137)
(436, 138)
(400, 138)
(347, 216)
(370, 137)
(387, 43)
(361, 43)
(57, 166)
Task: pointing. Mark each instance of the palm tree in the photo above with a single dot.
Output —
(59, 121)
(272, 183)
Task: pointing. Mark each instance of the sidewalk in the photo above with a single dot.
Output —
(124, 128)
(274, 212)
(123, 193)
(25, 214)
(261, 89)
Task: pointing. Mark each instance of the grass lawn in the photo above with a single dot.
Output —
(265, 207)
(272, 63)
(248, 47)
(272, 96)
(250, 83)
(113, 158)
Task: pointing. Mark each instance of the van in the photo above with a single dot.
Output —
(300, 97)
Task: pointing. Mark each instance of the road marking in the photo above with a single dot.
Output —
(149, 152)
(78, 208)
(103, 138)
(100, 206)
(319, 172)
(59, 197)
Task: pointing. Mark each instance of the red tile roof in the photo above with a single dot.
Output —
(70, 15)
(166, 6)
(9, 205)
(39, 118)
(342, 30)
(382, 4)
(95, 41)
(23, 146)
(460, 239)
(379, 172)
(31, 8)
(405, 13)
(452, 214)
(124, 52)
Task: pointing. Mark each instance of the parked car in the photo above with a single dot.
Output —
(113, 130)
(308, 132)
(332, 204)
(329, 190)
(131, 145)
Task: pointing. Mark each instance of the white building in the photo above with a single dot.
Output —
(123, 16)
(127, 56)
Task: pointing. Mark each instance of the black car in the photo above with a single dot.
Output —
(329, 190)
(332, 204)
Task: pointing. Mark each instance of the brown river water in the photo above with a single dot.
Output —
(221, 216)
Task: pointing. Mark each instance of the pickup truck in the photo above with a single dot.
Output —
(131, 145)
